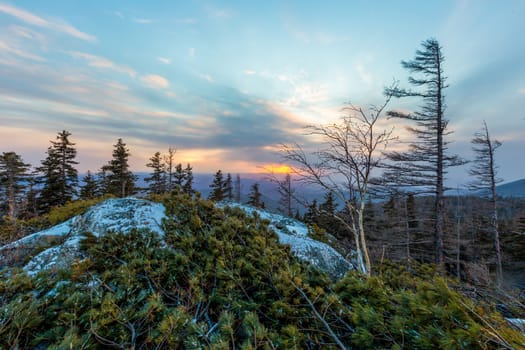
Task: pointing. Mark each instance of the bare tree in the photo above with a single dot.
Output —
(424, 164)
(343, 165)
(484, 171)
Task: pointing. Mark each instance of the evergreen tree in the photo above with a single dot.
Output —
(102, 182)
(228, 188)
(312, 213)
(255, 197)
(90, 188)
(188, 184)
(238, 188)
(157, 178)
(13, 174)
(120, 180)
(169, 161)
(58, 174)
(424, 165)
(178, 177)
(484, 171)
(217, 187)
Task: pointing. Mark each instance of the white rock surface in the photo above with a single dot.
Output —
(125, 214)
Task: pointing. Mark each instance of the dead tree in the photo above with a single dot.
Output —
(424, 165)
(484, 171)
(343, 164)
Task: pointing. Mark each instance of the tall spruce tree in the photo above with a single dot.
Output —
(13, 175)
(157, 178)
(89, 189)
(58, 173)
(228, 188)
(120, 180)
(169, 161)
(425, 164)
(255, 197)
(178, 177)
(237, 188)
(217, 187)
(188, 184)
(485, 174)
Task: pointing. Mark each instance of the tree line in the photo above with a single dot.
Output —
(344, 166)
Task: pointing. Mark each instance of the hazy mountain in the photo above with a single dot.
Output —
(512, 189)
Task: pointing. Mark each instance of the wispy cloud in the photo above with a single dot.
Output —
(521, 91)
(206, 77)
(55, 24)
(188, 20)
(18, 52)
(155, 81)
(164, 60)
(222, 13)
(118, 14)
(191, 52)
(249, 72)
(102, 62)
(143, 20)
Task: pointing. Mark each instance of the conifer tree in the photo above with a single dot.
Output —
(188, 184)
(13, 174)
(425, 164)
(312, 213)
(90, 188)
(255, 197)
(238, 188)
(169, 161)
(228, 188)
(178, 177)
(217, 187)
(157, 179)
(120, 180)
(102, 181)
(485, 171)
(58, 174)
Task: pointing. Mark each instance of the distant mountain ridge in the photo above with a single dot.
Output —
(512, 189)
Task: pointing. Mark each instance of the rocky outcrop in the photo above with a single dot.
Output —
(59, 246)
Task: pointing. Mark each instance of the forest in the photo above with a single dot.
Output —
(434, 269)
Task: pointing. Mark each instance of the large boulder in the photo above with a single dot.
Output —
(59, 246)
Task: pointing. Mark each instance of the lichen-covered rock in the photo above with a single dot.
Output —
(59, 246)
(295, 234)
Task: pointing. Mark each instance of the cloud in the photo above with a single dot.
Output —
(521, 91)
(102, 62)
(249, 72)
(18, 52)
(206, 77)
(164, 60)
(155, 81)
(56, 24)
(191, 52)
(186, 20)
(143, 20)
(119, 14)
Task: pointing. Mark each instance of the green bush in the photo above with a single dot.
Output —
(219, 279)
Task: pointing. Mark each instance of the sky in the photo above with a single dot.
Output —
(227, 82)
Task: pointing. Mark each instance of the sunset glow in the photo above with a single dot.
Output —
(227, 83)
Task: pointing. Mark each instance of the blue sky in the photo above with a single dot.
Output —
(226, 82)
